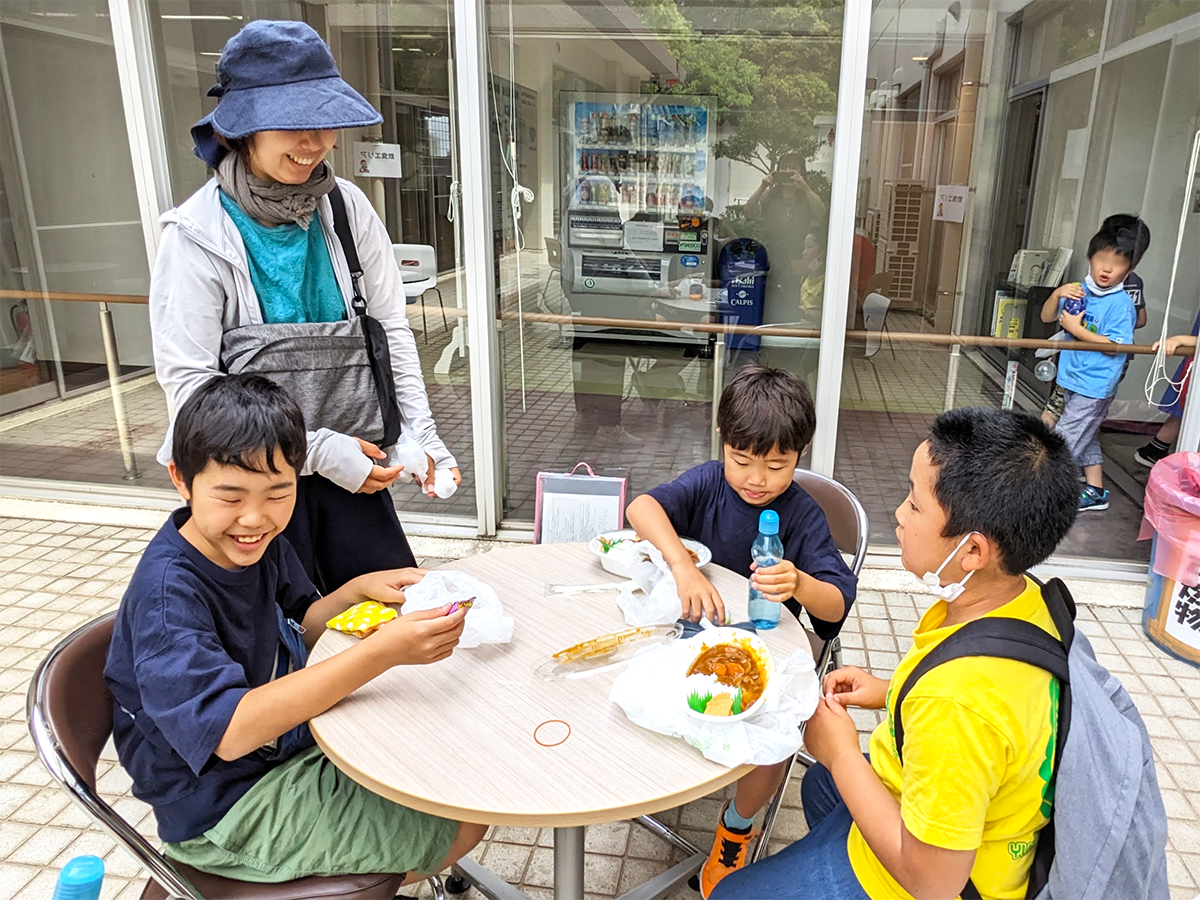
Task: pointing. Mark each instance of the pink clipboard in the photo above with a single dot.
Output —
(595, 495)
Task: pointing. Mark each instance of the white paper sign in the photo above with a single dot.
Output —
(1183, 615)
(1074, 153)
(950, 205)
(578, 517)
(376, 160)
(644, 236)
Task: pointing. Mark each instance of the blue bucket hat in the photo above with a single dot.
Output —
(277, 76)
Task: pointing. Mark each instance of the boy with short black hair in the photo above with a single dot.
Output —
(207, 666)
(991, 494)
(1089, 379)
(766, 420)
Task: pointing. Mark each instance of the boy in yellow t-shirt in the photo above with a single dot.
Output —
(991, 493)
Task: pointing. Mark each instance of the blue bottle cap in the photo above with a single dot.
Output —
(80, 879)
(82, 870)
(768, 522)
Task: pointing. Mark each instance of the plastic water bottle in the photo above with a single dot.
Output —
(80, 879)
(766, 551)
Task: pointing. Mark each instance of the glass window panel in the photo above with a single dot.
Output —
(1038, 169)
(397, 55)
(655, 138)
(70, 227)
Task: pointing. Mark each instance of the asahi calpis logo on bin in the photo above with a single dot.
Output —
(689, 262)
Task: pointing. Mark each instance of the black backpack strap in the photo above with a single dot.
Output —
(1062, 609)
(341, 226)
(1001, 638)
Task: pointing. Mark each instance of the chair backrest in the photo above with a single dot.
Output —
(875, 309)
(418, 266)
(846, 517)
(69, 711)
(554, 253)
(880, 283)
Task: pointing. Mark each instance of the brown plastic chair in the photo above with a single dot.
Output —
(849, 528)
(69, 710)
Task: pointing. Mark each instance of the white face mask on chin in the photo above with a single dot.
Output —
(933, 580)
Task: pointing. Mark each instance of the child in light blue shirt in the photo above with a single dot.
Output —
(1089, 378)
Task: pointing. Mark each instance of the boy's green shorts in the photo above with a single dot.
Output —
(307, 818)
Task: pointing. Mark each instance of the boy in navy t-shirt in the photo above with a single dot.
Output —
(206, 666)
(1089, 378)
(766, 419)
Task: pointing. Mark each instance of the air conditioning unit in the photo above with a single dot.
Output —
(902, 233)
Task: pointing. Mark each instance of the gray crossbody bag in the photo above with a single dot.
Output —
(339, 373)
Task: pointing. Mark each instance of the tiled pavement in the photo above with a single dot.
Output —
(55, 575)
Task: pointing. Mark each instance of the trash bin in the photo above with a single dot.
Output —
(1172, 518)
(743, 267)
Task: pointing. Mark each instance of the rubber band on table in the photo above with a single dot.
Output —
(542, 743)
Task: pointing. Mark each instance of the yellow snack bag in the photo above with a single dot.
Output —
(362, 619)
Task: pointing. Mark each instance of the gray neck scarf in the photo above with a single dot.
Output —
(272, 202)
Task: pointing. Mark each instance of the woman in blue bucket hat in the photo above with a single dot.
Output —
(257, 245)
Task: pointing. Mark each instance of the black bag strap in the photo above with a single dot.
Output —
(341, 227)
(1016, 639)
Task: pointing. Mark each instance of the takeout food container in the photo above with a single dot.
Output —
(751, 644)
(611, 564)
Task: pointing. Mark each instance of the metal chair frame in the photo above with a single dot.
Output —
(50, 748)
(831, 654)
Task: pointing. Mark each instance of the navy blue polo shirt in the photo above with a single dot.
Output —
(701, 505)
(190, 640)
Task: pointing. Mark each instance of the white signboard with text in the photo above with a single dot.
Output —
(376, 160)
(950, 204)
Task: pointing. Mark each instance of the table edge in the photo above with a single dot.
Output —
(617, 813)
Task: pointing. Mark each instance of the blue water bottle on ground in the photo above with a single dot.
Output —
(80, 879)
(766, 551)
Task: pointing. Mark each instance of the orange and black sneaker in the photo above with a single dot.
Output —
(728, 854)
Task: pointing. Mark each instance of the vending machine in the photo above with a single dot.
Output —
(636, 236)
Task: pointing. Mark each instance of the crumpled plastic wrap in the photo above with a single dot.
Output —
(1171, 510)
(651, 598)
(649, 691)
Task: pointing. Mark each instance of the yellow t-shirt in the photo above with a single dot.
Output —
(978, 749)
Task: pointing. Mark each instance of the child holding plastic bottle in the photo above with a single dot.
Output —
(1089, 378)
(766, 419)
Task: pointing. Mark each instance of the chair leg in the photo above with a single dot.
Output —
(456, 882)
(835, 654)
(445, 324)
(768, 825)
(803, 757)
(424, 323)
(439, 890)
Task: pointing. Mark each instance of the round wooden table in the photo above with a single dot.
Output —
(465, 738)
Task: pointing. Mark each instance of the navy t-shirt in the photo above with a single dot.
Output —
(701, 505)
(190, 640)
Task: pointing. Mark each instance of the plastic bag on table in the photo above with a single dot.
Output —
(486, 622)
(651, 692)
(651, 598)
(1171, 509)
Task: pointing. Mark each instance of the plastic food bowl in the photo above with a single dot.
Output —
(711, 638)
(610, 564)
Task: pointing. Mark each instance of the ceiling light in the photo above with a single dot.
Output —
(204, 18)
(920, 59)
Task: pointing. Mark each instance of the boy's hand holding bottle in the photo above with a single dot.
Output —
(777, 583)
(1071, 291)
